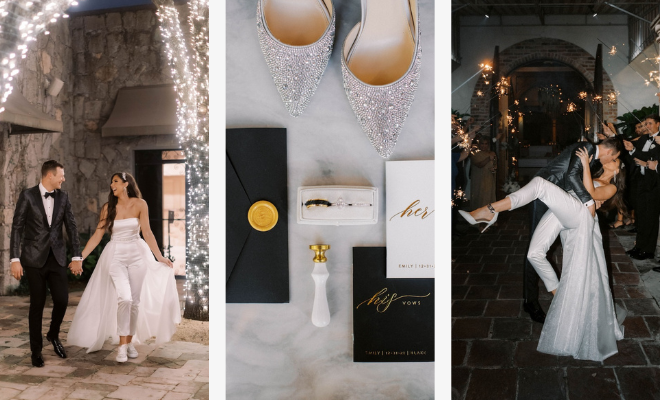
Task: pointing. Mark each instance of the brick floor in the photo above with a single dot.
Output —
(494, 342)
(174, 370)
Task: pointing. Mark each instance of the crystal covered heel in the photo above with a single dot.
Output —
(380, 63)
(296, 39)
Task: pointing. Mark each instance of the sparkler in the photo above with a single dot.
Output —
(503, 87)
(611, 98)
(571, 107)
(485, 67)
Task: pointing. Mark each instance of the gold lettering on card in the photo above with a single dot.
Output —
(382, 300)
(411, 211)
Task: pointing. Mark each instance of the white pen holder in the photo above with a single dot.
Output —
(320, 310)
(337, 205)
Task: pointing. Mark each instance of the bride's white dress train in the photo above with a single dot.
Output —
(581, 321)
(159, 313)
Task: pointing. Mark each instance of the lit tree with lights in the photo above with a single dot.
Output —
(190, 74)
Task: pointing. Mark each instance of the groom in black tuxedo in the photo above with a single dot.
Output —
(38, 218)
(564, 171)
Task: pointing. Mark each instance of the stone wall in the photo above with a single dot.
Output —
(21, 156)
(95, 56)
(110, 51)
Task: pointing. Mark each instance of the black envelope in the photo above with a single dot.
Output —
(257, 262)
(393, 319)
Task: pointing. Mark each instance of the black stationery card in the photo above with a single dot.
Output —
(257, 261)
(393, 319)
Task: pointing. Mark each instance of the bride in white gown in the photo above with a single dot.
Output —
(130, 297)
(581, 321)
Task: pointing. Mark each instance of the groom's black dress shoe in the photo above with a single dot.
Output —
(37, 360)
(632, 251)
(57, 346)
(536, 313)
(642, 255)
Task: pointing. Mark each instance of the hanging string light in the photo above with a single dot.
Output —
(20, 23)
(191, 83)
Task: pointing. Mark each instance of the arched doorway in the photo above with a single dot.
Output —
(544, 75)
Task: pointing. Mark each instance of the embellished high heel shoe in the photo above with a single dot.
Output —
(296, 38)
(469, 218)
(380, 64)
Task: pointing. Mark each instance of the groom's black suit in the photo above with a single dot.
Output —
(565, 171)
(43, 256)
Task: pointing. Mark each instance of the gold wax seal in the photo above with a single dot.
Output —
(262, 216)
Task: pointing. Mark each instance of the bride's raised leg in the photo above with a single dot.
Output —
(537, 188)
(565, 207)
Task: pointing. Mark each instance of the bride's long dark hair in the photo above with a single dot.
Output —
(132, 190)
(619, 180)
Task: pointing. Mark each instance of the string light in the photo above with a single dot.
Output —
(20, 23)
(190, 73)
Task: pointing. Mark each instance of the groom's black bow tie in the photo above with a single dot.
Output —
(49, 194)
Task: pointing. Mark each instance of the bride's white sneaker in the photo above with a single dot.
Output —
(121, 353)
(131, 351)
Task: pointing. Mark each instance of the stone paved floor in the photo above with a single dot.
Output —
(494, 342)
(173, 371)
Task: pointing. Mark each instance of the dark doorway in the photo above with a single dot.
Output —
(543, 91)
(160, 174)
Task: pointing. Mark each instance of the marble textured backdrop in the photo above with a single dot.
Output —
(273, 350)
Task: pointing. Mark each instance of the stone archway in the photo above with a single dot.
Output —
(541, 49)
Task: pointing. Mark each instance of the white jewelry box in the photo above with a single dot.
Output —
(337, 205)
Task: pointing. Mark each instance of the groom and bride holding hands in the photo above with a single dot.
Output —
(581, 321)
(130, 297)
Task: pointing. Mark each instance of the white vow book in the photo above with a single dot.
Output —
(410, 215)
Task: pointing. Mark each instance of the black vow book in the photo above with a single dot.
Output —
(393, 319)
(257, 262)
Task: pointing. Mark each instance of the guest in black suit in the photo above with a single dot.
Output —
(646, 188)
(564, 171)
(40, 213)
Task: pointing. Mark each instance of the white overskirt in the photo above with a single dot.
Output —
(95, 319)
